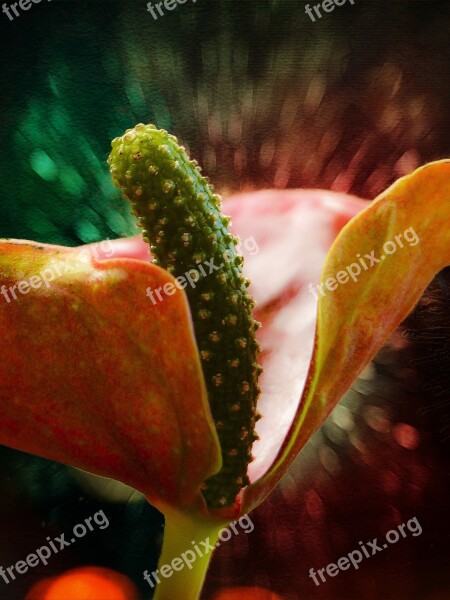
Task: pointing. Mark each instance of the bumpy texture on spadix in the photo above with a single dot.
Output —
(189, 237)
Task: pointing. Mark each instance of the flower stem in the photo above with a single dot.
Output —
(186, 557)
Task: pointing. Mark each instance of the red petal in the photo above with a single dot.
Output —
(355, 319)
(285, 237)
(94, 375)
(132, 247)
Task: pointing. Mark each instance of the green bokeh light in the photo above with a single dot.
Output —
(43, 165)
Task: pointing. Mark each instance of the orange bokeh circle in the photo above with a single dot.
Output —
(86, 583)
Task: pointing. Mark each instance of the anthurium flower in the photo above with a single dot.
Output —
(97, 373)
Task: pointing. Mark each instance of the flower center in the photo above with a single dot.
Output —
(189, 237)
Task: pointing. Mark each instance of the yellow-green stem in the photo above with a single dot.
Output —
(183, 537)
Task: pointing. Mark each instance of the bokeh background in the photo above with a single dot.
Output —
(262, 97)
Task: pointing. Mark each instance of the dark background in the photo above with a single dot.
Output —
(262, 97)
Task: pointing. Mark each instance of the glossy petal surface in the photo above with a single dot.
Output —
(285, 237)
(94, 375)
(356, 317)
